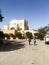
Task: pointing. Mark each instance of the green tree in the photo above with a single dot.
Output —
(13, 36)
(7, 36)
(1, 17)
(1, 35)
(19, 35)
(41, 33)
(29, 35)
(12, 28)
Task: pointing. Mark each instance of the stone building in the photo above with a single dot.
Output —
(17, 24)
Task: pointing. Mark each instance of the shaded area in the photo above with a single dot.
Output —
(33, 63)
(11, 45)
(47, 43)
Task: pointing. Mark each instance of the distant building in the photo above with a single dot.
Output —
(9, 32)
(6, 27)
(17, 25)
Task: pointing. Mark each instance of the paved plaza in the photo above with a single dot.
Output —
(26, 54)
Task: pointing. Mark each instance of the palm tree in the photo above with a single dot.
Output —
(1, 33)
(1, 17)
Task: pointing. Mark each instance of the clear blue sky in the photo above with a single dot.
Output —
(35, 11)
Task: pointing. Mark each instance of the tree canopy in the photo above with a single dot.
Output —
(42, 32)
(19, 35)
(29, 34)
(1, 17)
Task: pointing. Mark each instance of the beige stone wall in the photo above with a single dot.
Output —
(23, 32)
(9, 31)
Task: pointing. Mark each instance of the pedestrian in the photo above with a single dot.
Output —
(34, 40)
(29, 40)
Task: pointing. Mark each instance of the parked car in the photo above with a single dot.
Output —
(47, 39)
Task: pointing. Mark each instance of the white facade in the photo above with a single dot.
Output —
(21, 24)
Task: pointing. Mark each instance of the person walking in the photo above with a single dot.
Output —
(29, 40)
(34, 40)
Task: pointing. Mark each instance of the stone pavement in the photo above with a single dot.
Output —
(28, 55)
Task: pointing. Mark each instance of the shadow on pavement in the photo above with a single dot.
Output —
(11, 45)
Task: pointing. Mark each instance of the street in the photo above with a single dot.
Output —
(27, 55)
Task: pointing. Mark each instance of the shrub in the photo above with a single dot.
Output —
(29, 35)
(19, 35)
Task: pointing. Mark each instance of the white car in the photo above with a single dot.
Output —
(47, 39)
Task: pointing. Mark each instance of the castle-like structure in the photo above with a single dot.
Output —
(17, 24)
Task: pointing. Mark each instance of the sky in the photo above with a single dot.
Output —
(35, 11)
